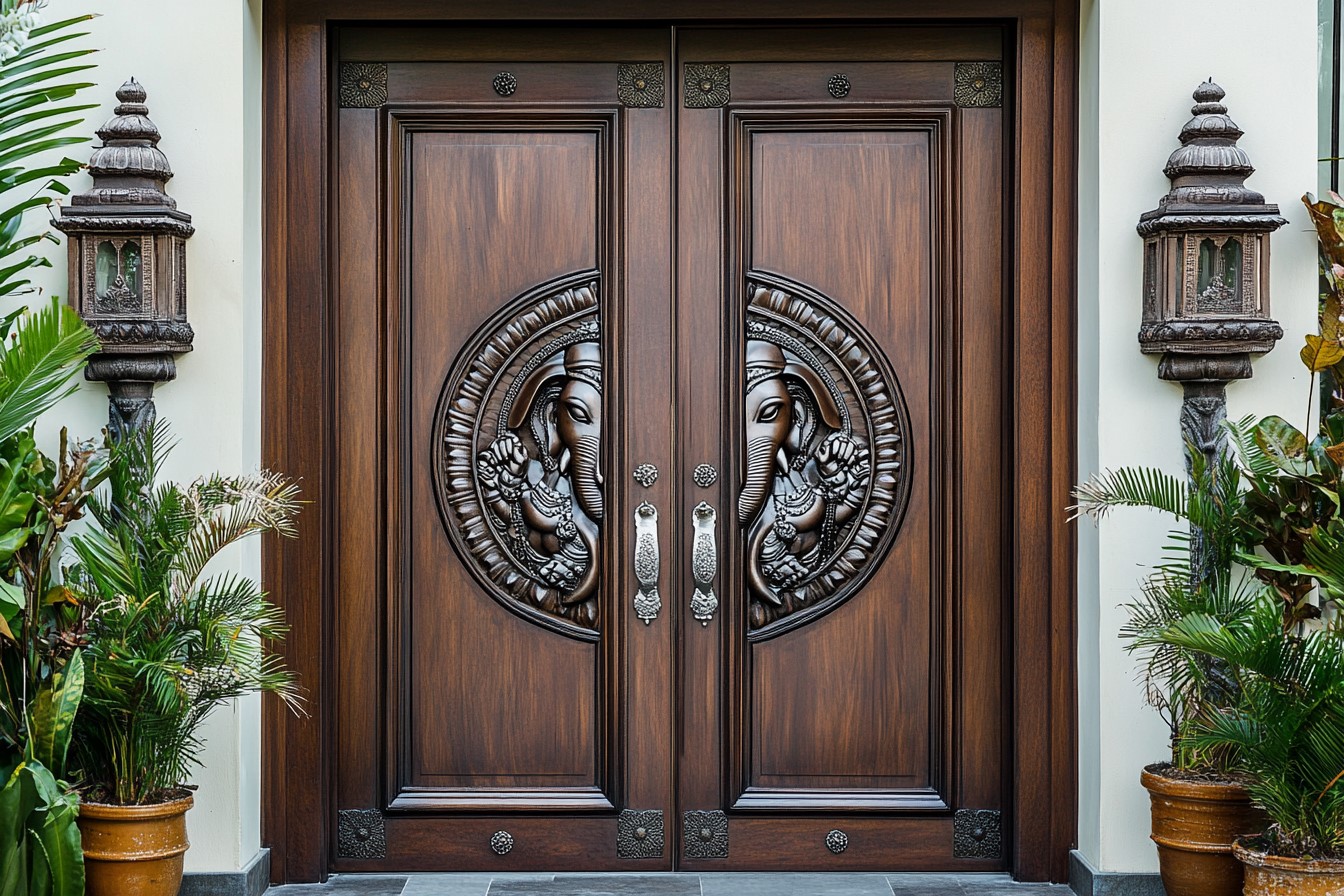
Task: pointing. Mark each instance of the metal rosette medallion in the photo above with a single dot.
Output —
(517, 441)
(827, 462)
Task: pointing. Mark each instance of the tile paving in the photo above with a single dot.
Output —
(471, 884)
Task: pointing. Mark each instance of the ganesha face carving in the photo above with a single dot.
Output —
(519, 434)
(826, 455)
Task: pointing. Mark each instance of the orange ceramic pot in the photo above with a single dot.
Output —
(1268, 875)
(134, 849)
(1194, 825)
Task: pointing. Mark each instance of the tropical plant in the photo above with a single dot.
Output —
(41, 668)
(38, 68)
(1196, 576)
(1287, 726)
(168, 643)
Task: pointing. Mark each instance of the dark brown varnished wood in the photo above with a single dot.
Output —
(308, 338)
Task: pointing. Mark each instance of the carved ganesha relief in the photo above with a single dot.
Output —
(519, 438)
(826, 454)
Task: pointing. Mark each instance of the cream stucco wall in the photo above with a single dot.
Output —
(200, 63)
(1141, 60)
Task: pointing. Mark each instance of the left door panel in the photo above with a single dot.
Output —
(494, 680)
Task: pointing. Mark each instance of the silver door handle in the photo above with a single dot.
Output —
(704, 564)
(647, 601)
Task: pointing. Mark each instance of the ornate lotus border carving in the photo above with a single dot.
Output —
(517, 450)
(827, 456)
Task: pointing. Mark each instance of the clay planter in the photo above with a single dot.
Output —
(134, 849)
(1268, 875)
(1194, 825)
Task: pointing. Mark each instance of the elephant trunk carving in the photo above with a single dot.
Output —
(759, 477)
(587, 475)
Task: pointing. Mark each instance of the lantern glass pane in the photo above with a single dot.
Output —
(1219, 285)
(131, 268)
(105, 267)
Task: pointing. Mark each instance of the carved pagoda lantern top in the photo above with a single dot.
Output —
(128, 258)
(1206, 250)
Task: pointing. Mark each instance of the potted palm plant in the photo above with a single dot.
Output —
(1199, 803)
(167, 643)
(1287, 729)
(1283, 727)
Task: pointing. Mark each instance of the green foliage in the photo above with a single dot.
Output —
(167, 642)
(1287, 726)
(1192, 579)
(38, 111)
(36, 364)
(40, 850)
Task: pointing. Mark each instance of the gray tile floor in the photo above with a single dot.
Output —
(673, 885)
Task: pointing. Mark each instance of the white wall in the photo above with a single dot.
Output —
(199, 61)
(1141, 60)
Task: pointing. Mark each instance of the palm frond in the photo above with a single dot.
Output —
(1131, 487)
(37, 370)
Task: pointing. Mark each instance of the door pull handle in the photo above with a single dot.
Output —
(704, 564)
(647, 601)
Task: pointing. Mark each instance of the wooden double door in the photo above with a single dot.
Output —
(669, 474)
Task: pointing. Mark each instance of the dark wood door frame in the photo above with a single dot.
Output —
(299, 423)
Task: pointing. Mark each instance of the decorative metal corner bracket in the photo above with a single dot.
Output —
(977, 834)
(363, 85)
(360, 834)
(979, 85)
(639, 834)
(641, 85)
(705, 834)
(706, 85)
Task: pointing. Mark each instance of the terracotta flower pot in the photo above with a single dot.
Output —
(134, 849)
(1194, 825)
(1268, 875)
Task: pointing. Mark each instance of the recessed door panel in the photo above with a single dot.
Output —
(850, 496)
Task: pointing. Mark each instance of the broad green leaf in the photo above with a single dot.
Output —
(18, 800)
(38, 369)
(59, 836)
(53, 714)
(12, 601)
(1282, 443)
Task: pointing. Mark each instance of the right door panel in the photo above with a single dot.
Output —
(840, 233)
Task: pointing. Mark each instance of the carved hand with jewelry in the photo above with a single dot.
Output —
(843, 465)
(502, 470)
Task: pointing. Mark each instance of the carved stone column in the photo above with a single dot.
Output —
(130, 384)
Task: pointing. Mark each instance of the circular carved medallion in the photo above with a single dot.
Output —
(518, 444)
(827, 457)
